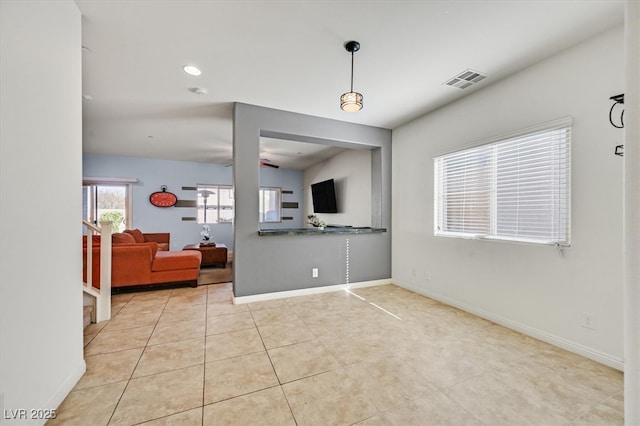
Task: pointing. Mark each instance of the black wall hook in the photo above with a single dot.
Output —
(617, 99)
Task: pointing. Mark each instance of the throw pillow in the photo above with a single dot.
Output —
(122, 238)
(137, 235)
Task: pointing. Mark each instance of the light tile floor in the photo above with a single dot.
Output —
(190, 357)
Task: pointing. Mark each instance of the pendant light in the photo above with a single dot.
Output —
(351, 101)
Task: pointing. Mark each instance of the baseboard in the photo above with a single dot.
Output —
(560, 342)
(66, 387)
(307, 291)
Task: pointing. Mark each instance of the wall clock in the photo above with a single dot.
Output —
(163, 198)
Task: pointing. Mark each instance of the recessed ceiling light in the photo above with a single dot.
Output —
(192, 70)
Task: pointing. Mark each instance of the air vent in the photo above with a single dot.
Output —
(465, 79)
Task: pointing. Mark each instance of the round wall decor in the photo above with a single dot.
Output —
(163, 198)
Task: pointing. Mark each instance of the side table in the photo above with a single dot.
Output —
(211, 255)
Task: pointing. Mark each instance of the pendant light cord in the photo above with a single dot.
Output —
(351, 71)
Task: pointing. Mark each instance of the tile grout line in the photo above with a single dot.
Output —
(115, 408)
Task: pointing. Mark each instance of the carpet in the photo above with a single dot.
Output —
(215, 275)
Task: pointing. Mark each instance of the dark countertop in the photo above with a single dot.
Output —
(316, 231)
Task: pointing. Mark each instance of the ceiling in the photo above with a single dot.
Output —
(289, 55)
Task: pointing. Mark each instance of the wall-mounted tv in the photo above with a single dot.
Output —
(324, 197)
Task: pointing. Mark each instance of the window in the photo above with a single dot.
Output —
(515, 188)
(105, 200)
(270, 204)
(215, 204)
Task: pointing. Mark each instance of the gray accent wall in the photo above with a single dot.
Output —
(280, 263)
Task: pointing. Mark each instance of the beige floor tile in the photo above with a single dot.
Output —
(133, 317)
(267, 407)
(183, 313)
(212, 288)
(121, 298)
(182, 299)
(494, 402)
(385, 384)
(609, 412)
(188, 291)
(570, 398)
(349, 350)
(437, 364)
(92, 406)
(309, 309)
(224, 308)
(301, 360)
(147, 296)
(153, 397)
(155, 303)
(575, 368)
(436, 409)
(170, 356)
(237, 376)
(266, 304)
(283, 334)
(219, 293)
(233, 343)
(186, 418)
(175, 331)
(95, 328)
(274, 315)
(328, 398)
(118, 340)
(87, 338)
(116, 307)
(231, 322)
(142, 307)
(440, 366)
(109, 368)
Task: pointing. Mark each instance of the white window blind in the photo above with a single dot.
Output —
(516, 188)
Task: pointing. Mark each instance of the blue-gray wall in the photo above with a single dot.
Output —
(264, 264)
(153, 173)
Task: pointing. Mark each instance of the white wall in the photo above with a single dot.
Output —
(535, 289)
(41, 143)
(351, 171)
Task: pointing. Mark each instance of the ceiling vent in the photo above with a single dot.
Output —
(465, 79)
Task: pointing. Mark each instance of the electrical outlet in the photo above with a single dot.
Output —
(314, 273)
(588, 320)
(427, 276)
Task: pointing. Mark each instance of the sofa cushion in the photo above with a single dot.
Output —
(122, 238)
(153, 246)
(137, 234)
(173, 260)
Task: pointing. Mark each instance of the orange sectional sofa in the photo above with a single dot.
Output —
(162, 238)
(136, 265)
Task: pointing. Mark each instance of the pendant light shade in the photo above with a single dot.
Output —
(351, 101)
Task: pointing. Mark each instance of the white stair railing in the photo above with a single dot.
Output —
(102, 295)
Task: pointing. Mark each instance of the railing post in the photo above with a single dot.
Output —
(104, 302)
(90, 258)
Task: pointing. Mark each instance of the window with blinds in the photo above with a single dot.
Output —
(516, 188)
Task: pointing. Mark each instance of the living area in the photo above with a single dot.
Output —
(575, 297)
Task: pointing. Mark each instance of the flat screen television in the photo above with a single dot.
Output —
(324, 197)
